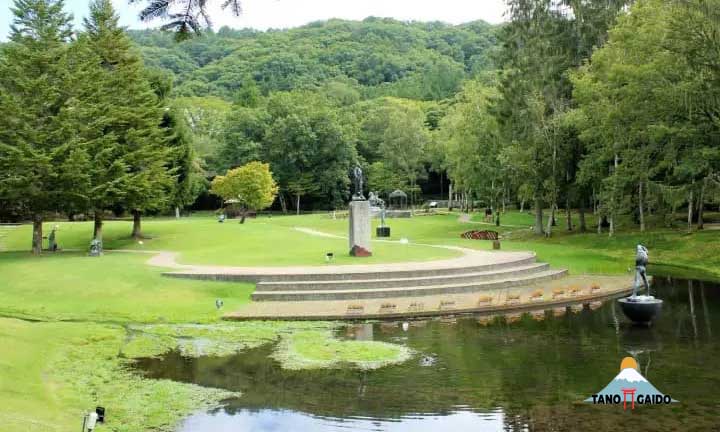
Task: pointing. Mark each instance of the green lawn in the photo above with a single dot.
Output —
(259, 242)
(119, 287)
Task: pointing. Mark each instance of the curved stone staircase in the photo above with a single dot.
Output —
(404, 283)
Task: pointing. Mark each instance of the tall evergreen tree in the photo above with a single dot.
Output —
(37, 161)
(185, 165)
(122, 119)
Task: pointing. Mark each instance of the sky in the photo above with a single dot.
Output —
(264, 14)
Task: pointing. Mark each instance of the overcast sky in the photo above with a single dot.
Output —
(264, 14)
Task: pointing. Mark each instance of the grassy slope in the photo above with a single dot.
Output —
(118, 287)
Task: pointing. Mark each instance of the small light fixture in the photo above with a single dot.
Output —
(101, 414)
(404, 240)
(329, 257)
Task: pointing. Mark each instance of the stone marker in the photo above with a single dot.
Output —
(359, 226)
(359, 223)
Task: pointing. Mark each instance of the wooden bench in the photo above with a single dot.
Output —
(355, 309)
(416, 307)
(512, 298)
(537, 295)
(485, 300)
(388, 308)
(445, 305)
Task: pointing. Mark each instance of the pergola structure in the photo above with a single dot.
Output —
(397, 199)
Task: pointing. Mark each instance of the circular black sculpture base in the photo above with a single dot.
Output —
(383, 231)
(642, 310)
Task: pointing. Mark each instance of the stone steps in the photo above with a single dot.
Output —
(324, 274)
(332, 282)
(395, 292)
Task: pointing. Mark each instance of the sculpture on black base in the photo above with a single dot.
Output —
(358, 182)
(376, 201)
(640, 308)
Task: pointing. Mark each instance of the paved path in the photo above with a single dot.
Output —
(469, 258)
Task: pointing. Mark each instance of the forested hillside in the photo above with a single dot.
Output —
(377, 57)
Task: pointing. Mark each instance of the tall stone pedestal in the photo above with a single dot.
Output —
(359, 234)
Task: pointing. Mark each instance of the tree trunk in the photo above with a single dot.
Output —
(243, 214)
(611, 230)
(137, 225)
(177, 212)
(640, 207)
(551, 220)
(450, 197)
(297, 207)
(690, 211)
(37, 237)
(97, 228)
(441, 186)
(599, 224)
(583, 225)
(701, 204)
(522, 206)
(569, 215)
(283, 204)
(538, 216)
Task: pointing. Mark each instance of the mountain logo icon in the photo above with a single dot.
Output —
(629, 388)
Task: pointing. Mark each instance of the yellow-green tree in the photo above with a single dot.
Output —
(251, 185)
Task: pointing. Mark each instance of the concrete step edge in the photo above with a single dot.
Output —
(335, 284)
(407, 291)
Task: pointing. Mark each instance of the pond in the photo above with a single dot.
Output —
(522, 372)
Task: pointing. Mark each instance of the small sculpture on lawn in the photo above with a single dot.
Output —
(52, 241)
(95, 248)
(358, 182)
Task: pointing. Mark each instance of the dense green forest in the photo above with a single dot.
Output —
(375, 57)
(609, 107)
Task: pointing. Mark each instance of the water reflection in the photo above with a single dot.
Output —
(523, 371)
(268, 420)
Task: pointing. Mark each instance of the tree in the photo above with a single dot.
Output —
(309, 146)
(185, 17)
(185, 165)
(646, 124)
(252, 185)
(472, 145)
(40, 171)
(121, 117)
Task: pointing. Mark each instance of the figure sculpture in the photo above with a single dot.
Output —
(641, 261)
(358, 181)
(95, 248)
(376, 201)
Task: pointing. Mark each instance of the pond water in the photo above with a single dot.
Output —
(526, 372)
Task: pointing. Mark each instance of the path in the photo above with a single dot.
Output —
(469, 257)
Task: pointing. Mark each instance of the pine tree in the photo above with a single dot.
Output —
(37, 162)
(186, 166)
(122, 119)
